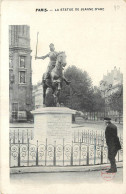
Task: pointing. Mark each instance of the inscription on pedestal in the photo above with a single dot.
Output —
(53, 123)
(59, 126)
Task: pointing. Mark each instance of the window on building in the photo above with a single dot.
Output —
(22, 61)
(15, 106)
(14, 110)
(11, 76)
(10, 63)
(22, 77)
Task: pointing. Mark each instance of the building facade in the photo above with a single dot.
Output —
(20, 72)
(109, 85)
(37, 96)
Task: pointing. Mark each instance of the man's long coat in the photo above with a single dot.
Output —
(112, 139)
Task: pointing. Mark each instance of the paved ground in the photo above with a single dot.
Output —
(95, 125)
(80, 125)
(95, 177)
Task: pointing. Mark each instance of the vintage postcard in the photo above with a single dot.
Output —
(62, 97)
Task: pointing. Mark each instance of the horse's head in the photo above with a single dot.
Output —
(61, 59)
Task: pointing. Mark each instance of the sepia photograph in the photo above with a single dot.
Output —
(62, 97)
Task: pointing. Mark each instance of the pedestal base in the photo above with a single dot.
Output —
(53, 123)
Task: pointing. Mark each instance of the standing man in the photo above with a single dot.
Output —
(112, 142)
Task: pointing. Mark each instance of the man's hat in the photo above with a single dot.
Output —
(107, 119)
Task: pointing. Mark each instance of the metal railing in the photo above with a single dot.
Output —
(21, 135)
(87, 148)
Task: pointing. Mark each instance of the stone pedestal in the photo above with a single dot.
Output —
(53, 123)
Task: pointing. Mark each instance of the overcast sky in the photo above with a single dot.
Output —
(94, 41)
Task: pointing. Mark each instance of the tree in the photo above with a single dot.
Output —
(98, 102)
(116, 101)
(80, 94)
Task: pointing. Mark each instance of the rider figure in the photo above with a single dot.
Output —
(53, 57)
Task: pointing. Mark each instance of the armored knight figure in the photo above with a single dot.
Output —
(53, 57)
(53, 77)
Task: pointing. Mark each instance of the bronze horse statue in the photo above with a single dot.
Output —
(55, 79)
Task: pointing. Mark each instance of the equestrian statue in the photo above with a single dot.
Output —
(53, 77)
